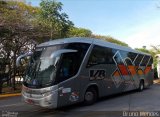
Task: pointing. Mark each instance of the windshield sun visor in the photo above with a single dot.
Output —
(58, 52)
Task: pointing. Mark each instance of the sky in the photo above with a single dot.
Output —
(135, 22)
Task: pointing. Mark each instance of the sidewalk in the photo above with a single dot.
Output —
(157, 81)
(10, 92)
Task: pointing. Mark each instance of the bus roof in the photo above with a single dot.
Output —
(94, 41)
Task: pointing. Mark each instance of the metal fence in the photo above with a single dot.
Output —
(9, 78)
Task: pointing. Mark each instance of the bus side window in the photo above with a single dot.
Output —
(109, 55)
(70, 62)
(67, 66)
(138, 60)
(100, 55)
(150, 61)
(132, 56)
(145, 60)
(97, 56)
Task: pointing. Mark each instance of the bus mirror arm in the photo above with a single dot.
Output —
(61, 51)
(22, 56)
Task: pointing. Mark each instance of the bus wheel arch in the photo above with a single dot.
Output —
(91, 95)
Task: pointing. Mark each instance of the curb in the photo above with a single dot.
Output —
(157, 81)
(9, 95)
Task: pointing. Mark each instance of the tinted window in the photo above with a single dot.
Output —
(97, 56)
(109, 55)
(124, 54)
(100, 55)
(70, 62)
(150, 62)
(132, 56)
(145, 60)
(138, 60)
(118, 58)
(128, 62)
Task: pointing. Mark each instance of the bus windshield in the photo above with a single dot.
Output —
(44, 70)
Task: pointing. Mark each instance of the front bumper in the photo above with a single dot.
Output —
(47, 102)
(45, 97)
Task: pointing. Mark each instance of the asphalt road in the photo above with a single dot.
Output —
(117, 105)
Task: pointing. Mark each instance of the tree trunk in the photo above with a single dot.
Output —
(1, 84)
(14, 71)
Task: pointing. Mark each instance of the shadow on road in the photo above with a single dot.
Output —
(100, 100)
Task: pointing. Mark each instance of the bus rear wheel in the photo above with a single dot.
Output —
(141, 85)
(90, 96)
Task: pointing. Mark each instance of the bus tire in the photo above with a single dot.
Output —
(90, 96)
(141, 86)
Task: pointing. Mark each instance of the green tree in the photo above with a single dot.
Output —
(51, 15)
(110, 39)
(23, 26)
(16, 32)
(79, 32)
(143, 50)
(154, 51)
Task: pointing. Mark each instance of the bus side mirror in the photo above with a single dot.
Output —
(61, 51)
(18, 61)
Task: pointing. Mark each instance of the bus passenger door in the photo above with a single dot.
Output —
(67, 77)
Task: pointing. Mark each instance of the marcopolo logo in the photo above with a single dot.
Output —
(97, 74)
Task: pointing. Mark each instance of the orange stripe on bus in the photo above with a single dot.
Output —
(116, 73)
(123, 69)
(132, 69)
(148, 69)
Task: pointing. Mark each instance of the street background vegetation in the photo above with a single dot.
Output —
(23, 26)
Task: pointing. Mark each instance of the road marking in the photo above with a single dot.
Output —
(18, 104)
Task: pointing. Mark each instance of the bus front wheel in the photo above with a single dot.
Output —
(90, 96)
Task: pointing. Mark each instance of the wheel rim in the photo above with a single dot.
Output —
(89, 96)
(141, 86)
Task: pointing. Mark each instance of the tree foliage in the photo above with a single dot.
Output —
(51, 14)
(79, 32)
(21, 28)
(16, 32)
(143, 50)
(110, 39)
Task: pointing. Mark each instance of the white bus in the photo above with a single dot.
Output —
(67, 71)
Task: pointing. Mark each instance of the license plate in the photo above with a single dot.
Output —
(30, 101)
